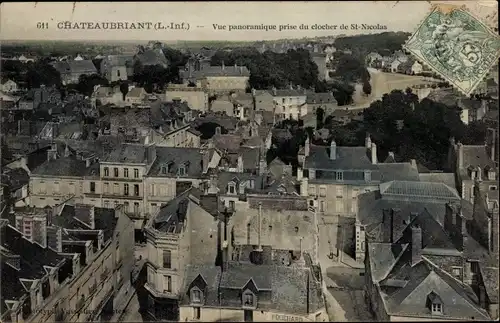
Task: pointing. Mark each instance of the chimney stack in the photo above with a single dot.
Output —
(333, 150)
(416, 244)
(413, 163)
(223, 66)
(374, 153)
(260, 227)
(460, 155)
(307, 146)
(300, 173)
(479, 174)
(368, 141)
(240, 167)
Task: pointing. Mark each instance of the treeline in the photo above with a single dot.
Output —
(411, 129)
(271, 69)
(383, 43)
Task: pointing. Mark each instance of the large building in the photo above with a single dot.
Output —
(182, 232)
(73, 259)
(258, 285)
(423, 257)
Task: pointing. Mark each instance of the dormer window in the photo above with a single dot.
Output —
(182, 170)
(231, 188)
(196, 295)
(435, 304)
(164, 169)
(248, 299)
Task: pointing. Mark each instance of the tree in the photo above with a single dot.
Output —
(320, 115)
(87, 83)
(40, 73)
(124, 89)
(367, 88)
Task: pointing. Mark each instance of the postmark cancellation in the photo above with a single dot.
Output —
(456, 45)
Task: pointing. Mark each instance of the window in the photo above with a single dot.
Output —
(163, 169)
(196, 313)
(126, 206)
(92, 187)
(153, 189)
(168, 283)
(231, 205)
(296, 229)
(116, 172)
(457, 272)
(125, 172)
(270, 228)
(182, 171)
(493, 187)
(106, 171)
(322, 206)
(136, 208)
(283, 100)
(248, 299)
(151, 276)
(322, 191)
(106, 204)
(339, 176)
(232, 189)
(136, 173)
(125, 189)
(339, 205)
(136, 189)
(167, 259)
(106, 188)
(436, 308)
(56, 187)
(340, 191)
(116, 204)
(312, 190)
(118, 73)
(116, 188)
(195, 295)
(368, 176)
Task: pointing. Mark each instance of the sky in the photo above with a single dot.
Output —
(18, 21)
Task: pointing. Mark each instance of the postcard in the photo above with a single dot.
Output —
(249, 161)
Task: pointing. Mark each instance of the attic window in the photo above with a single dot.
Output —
(248, 299)
(182, 170)
(231, 188)
(196, 295)
(435, 304)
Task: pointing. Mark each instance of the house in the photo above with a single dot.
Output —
(263, 100)
(195, 97)
(372, 58)
(174, 171)
(183, 232)
(250, 286)
(72, 70)
(17, 183)
(421, 232)
(472, 109)
(289, 103)
(116, 67)
(72, 256)
(416, 68)
(136, 96)
(325, 101)
(104, 95)
(230, 187)
(216, 79)
(334, 176)
(8, 86)
(474, 166)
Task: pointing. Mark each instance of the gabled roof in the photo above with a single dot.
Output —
(414, 189)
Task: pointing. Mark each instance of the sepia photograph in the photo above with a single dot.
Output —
(249, 161)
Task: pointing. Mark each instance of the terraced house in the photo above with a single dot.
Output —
(73, 259)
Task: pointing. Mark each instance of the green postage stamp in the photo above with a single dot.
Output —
(456, 45)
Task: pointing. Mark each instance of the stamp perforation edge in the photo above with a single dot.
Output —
(434, 69)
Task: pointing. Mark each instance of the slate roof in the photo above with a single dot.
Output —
(476, 156)
(216, 71)
(227, 141)
(210, 275)
(288, 92)
(458, 300)
(348, 158)
(63, 166)
(419, 190)
(383, 257)
(129, 153)
(398, 172)
(15, 178)
(152, 57)
(320, 98)
(490, 279)
(439, 177)
(174, 157)
(223, 178)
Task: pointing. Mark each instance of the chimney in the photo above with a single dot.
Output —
(374, 153)
(307, 146)
(235, 66)
(274, 91)
(460, 155)
(333, 150)
(240, 164)
(304, 186)
(66, 151)
(259, 242)
(300, 173)
(387, 226)
(479, 174)
(253, 92)
(391, 155)
(416, 244)
(413, 163)
(92, 217)
(368, 141)
(493, 143)
(482, 296)
(223, 66)
(218, 130)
